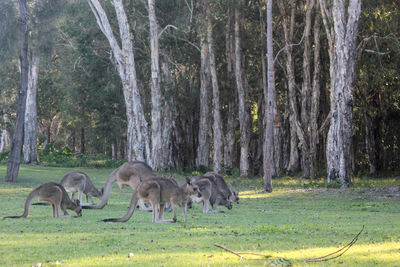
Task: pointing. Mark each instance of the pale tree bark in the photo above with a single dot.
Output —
(244, 119)
(203, 148)
(30, 129)
(16, 144)
(288, 29)
(232, 122)
(344, 36)
(169, 128)
(158, 157)
(217, 122)
(315, 97)
(4, 135)
(270, 104)
(138, 144)
(306, 164)
(277, 155)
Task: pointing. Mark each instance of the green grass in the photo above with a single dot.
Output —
(301, 219)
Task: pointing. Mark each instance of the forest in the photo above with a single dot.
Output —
(246, 87)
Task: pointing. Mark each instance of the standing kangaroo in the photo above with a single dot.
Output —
(58, 198)
(159, 191)
(131, 174)
(76, 181)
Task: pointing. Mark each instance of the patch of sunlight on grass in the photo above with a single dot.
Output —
(261, 193)
(386, 252)
(14, 191)
(156, 259)
(41, 240)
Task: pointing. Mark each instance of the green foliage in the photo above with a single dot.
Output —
(50, 156)
(334, 184)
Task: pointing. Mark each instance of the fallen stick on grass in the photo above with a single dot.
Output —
(327, 257)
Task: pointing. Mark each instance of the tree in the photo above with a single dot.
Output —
(270, 104)
(203, 148)
(30, 125)
(341, 29)
(16, 144)
(244, 118)
(138, 145)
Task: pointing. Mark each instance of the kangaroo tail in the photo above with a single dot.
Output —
(128, 215)
(107, 190)
(41, 204)
(28, 201)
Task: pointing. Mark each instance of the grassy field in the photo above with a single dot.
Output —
(299, 220)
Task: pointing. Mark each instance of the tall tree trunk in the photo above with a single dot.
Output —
(288, 29)
(158, 158)
(244, 119)
(343, 47)
(16, 144)
(306, 93)
(270, 105)
(315, 95)
(203, 148)
(4, 135)
(232, 122)
(138, 144)
(169, 129)
(30, 130)
(82, 147)
(217, 123)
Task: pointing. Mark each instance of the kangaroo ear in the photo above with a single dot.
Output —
(188, 181)
(102, 191)
(77, 202)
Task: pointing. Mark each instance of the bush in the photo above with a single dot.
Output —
(64, 157)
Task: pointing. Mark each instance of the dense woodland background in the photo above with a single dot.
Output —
(210, 53)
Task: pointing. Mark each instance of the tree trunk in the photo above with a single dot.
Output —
(169, 129)
(158, 158)
(232, 122)
(30, 130)
(315, 95)
(270, 105)
(16, 144)
(244, 119)
(306, 93)
(288, 29)
(138, 145)
(203, 148)
(4, 135)
(217, 123)
(340, 133)
(82, 148)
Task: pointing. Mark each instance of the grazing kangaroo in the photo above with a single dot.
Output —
(131, 174)
(58, 198)
(76, 181)
(159, 191)
(210, 195)
(222, 186)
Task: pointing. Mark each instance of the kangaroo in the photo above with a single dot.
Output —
(58, 198)
(131, 174)
(76, 181)
(223, 187)
(159, 191)
(210, 195)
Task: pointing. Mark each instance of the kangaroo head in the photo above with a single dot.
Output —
(225, 201)
(234, 197)
(192, 189)
(77, 207)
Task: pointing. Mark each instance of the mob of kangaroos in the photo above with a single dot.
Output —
(148, 186)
